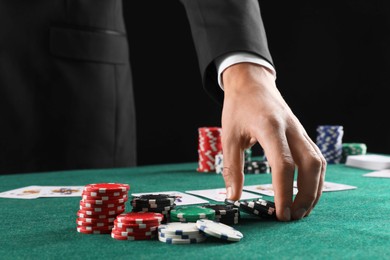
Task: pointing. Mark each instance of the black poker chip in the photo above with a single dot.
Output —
(227, 214)
(257, 167)
(258, 207)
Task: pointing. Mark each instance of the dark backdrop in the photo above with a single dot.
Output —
(332, 61)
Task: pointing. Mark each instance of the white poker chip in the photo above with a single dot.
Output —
(179, 228)
(219, 230)
(181, 241)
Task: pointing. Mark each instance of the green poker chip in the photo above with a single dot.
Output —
(191, 213)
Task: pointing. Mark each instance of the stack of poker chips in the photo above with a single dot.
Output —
(329, 141)
(227, 214)
(136, 226)
(157, 203)
(258, 207)
(257, 167)
(353, 149)
(209, 145)
(180, 233)
(191, 214)
(219, 160)
(99, 206)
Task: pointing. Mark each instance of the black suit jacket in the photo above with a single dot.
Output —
(66, 98)
(223, 26)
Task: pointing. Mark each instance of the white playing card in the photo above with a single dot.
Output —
(61, 191)
(219, 194)
(265, 189)
(29, 192)
(378, 174)
(181, 198)
(332, 186)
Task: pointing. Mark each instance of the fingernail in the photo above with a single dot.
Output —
(300, 213)
(287, 214)
(229, 192)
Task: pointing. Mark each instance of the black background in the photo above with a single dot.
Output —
(331, 57)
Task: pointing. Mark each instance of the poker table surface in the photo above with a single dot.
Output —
(352, 224)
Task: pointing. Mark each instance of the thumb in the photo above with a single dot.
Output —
(233, 163)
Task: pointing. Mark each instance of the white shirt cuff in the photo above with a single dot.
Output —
(237, 57)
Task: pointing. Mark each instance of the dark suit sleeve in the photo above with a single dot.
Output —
(222, 26)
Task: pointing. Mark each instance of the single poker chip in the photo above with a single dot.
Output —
(105, 205)
(110, 198)
(140, 217)
(191, 213)
(133, 234)
(107, 194)
(102, 209)
(104, 202)
(104, 188)
(103, 228)
(179, 228)
(97, 214)
(219, 230)
(136, 225)
(181, 241)
(96, 224)
(158, 199)
(96, 220)
(136, 229)
(138, 237)
(81, 229)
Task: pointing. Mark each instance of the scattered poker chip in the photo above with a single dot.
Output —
(191, 213)
(140, 217)
(227, 214)
(104, 188)
(219, 230)
(137, 237)
(259, 207)
(179, 228)
(169, 240)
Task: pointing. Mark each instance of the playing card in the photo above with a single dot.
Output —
(219, 194)
(265, 189)
(379, 174)
(181, 198)
(332, 186)
(29, 192)
(61, 191)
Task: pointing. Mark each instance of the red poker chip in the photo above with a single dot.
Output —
(86, 197)
(81, 229)
(103, 209)
(104, 202)
(140, 233)
(136, 225)
(91, 228)
(89, 214)
(104, 188)
(96, 220)
(95, 225)
(106, 205)
(136, 229)
(138, 237)
(140, 217)
(109, 194)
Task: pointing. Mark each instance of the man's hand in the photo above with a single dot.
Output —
(254, 111)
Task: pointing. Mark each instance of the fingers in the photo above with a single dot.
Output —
(233, 164)
(275, 144)
(311, 170)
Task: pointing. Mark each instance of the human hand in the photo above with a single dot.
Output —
(255, 111)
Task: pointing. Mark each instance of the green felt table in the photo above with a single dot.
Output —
(352, 224)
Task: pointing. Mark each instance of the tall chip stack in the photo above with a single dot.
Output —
(100, 204)
(329, 141)
(209, 145)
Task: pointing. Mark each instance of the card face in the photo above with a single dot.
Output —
(219, 194)
(61, 191)
(29, 192)
(265, 189)
(181, 198)
(378, 174)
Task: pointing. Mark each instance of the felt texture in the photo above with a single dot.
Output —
(353, 224)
